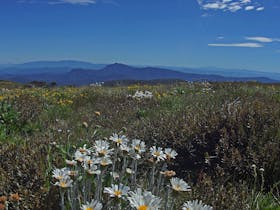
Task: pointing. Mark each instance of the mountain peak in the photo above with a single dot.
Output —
(117, 64)
(117, 67)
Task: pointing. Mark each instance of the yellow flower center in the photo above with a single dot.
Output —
(89, 208)
(177, 188)
(143, 207)
(157, 154)
(59, 177)
(82, 150)
(103, 152)
(137, 148)
(118, 193)
(103, 163)
(63, 184)
(119, 141)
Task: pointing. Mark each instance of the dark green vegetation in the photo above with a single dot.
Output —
(227, 136)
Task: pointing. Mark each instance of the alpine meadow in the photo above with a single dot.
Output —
(139, 105)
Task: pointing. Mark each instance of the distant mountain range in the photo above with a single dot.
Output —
(39, 67)
(230, 72)
(84, 73)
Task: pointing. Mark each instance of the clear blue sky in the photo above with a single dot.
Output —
(191, 33)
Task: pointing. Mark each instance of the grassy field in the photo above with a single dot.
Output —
(227, 136)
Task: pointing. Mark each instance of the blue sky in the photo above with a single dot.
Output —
(193, 33)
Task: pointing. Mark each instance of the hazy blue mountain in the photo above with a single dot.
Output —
(240, 73)
(59, 64)
(39, 70)
(5, 65)
(64, 66)
(121, 72)
(227, 72)
(38, 67)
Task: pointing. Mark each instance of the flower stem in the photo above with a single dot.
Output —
(152, 178)
(166, 198)
(62, 192)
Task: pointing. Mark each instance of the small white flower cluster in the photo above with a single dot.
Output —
(4, 90)
(196, 205)
(207, 87)
(139, 94)
(207, 90)
(63, 177)
(96, 84)
(118, 162)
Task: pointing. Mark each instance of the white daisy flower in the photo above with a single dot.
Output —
(117, 191)
(84, 150)
(143, 200)
(179, 184)
(125, 148)
(93, 205)
(71, 162)
(92, 169)
(115, 175)
(140, 94)
(103, 161)
(103, 148)
(157, 153)
(134, 155)
(138, 145)
(118, 139)
(60, 173)
(195, 205)
(170, 153)
(73, 173)
(79, 156)
(88, 161)
(65, 182)
(148, 94)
